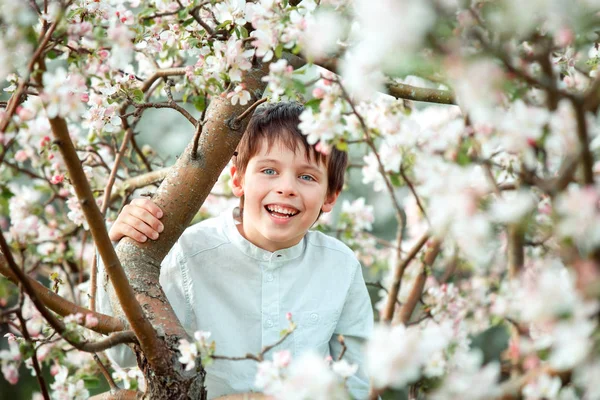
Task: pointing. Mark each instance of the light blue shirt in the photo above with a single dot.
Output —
(218, 281)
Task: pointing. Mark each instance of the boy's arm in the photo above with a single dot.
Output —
(355, 324)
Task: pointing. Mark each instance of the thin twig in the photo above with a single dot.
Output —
(34, 359)
(55, 323)
(388, 314)
(342, 342)
(250, 109)
(587, 159)
(106, 373)
(256, 357)
(14, 100)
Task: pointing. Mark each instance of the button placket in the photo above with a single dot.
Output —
(270, 304)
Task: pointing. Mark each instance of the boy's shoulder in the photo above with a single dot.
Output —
(328, 245)
(206, 234)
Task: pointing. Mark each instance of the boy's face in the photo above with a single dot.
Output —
(283, 195)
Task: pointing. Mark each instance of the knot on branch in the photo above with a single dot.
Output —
(234, 123)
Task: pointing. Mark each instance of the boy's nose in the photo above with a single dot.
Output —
(287, 187)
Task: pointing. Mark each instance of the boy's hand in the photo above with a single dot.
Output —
(139, 221)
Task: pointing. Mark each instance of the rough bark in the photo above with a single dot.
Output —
(180, 196)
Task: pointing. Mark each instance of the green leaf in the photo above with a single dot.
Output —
(396, 180)
(182, 13)
(91, 382)
(200, 103)
(138, 95)
(279, 51)
(299, 86)
(223, 25)
(342, 146)
(52, 54)
(244, 32)
(313, 104)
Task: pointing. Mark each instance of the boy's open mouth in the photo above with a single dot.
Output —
(281, 211)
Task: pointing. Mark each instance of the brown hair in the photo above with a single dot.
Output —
(278, 123)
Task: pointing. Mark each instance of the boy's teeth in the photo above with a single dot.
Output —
(282, 210)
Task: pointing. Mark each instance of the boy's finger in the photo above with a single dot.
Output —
(149, 206)
(147, 217)
(130, 232)
(140, 226)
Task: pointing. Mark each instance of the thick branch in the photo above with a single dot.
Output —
(408, 92)
(55, 323)
(398, 90)
(162, 73)
(154, 349)
(61, 306)
(141, 181)
(180, 195)
(118, 395)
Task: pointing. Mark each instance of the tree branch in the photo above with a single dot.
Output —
(587, 159)
(398, 90)
(14, 99)
(55, 323)
(155, 349)
(416, 292)
(61, 306)
(141, 181)
(161, 73)
(388, 313)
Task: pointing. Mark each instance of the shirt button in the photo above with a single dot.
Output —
(266, 257)
(314, 317)
(269, 323)
(270, 277)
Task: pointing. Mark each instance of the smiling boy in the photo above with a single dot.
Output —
(238, 277)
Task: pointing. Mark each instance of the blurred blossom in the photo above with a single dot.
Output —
(469, 379)
(522, 127)
(323, 31)
(358, 214)
(543, 387)
(280, 74)
(478, 88)
(396, 355)
(311, 378)
(68, 387)
(579, 216)
(511, 207)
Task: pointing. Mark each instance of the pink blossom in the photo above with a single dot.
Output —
(21, 156)
(91, 321)
(57, 178)
(282, 359)
(318, 93)
(11, 373)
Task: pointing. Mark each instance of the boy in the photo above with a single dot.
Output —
(238, 278)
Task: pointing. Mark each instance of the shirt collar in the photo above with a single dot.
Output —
(253, 251)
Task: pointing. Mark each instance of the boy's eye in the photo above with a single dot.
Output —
(307, 178)
(268, 171)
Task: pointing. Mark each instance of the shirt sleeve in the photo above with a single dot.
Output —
(171, 279)
(355, 324)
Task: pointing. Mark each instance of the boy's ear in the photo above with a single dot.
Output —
(330, 202)
(236, 182)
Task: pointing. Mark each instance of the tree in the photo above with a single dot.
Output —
(489, 289)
